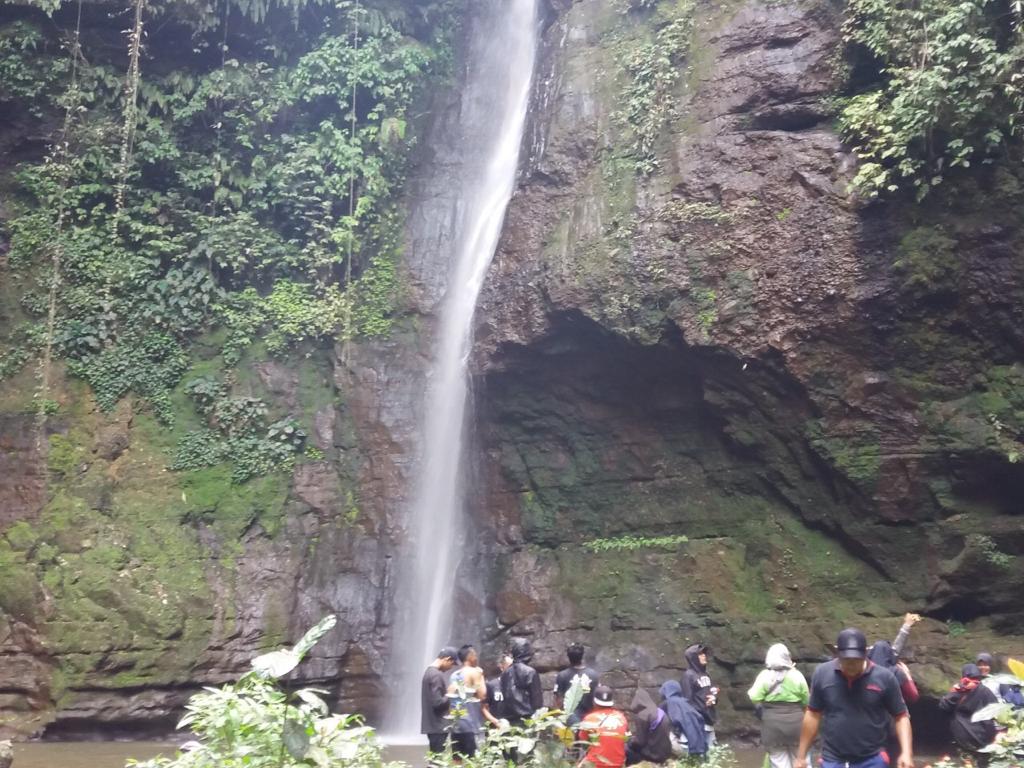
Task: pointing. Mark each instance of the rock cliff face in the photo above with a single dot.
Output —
(127, 586)
(822, 396)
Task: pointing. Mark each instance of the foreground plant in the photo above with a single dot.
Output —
(256, 724)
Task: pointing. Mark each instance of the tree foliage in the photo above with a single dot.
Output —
(235, 164)
(949, 91)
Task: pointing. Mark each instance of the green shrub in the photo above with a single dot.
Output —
(257, 723)
(949, 91)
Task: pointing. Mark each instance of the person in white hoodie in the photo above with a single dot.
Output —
(780, 694)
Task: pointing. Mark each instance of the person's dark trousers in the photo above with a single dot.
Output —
(464, 744)
(633, 755)
(512, 755)
(436, 743)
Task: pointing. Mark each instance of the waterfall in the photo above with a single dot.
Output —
(494, 103)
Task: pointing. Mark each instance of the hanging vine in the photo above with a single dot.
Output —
(131, 109)
(60, 156)
(354, 21)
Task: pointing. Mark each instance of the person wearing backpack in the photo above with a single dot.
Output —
(780, 692)
(651, 739)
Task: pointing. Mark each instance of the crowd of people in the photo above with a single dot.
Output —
(855, 706)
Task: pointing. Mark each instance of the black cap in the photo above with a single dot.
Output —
(603, 696)
(971, 671)
(851, 644)
(448, 653)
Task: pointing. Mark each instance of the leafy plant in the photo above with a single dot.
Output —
(237, 433)
(991, 552)
(540, 742)
(652, 72)
(631, 543)
(956, 628)
(545, 741)
(255, 723)
(287, 432)
(149, 366)
(205, 392)
(949, 91)
(1006, 440)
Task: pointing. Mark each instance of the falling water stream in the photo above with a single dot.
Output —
(490, 128)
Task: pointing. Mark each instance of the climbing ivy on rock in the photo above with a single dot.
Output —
(217, 174)
(652, 66)
(237, 433)
(949, 90)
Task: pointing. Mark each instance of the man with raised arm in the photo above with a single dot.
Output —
(852, 701)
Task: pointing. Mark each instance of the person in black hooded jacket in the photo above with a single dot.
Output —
(652, 732)
(520, 684)
(967, 697)
(697, 688)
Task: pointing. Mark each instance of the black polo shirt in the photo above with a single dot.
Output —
(855, 713)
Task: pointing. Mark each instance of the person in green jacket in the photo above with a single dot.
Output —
(780, 692)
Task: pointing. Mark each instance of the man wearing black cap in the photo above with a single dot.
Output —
(434, 699)
(851, 702)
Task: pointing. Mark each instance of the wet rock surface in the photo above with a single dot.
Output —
(22, 478)
(736, 350)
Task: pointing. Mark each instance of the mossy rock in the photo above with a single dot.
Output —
(927, 261)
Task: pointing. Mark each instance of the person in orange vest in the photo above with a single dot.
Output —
(607, 730)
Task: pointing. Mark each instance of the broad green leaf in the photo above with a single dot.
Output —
(311, 637)
(1004, 679)
(345, 750)
(296, 738)
(580, 686)
(525, 745)
(314, 701)
(320, 757)
(276, 663)
(991, 712)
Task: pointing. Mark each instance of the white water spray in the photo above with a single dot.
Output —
(494, 105)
